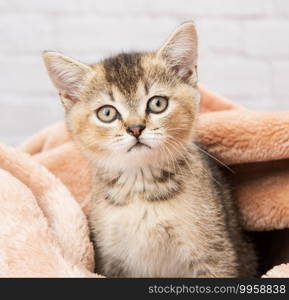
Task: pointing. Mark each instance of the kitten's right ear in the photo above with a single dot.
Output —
(181, 51)
(68, 76)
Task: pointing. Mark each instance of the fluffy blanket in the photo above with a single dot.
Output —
(45, 187)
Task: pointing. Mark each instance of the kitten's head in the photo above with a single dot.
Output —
(131, 109)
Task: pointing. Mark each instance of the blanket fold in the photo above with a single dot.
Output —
(45, 188)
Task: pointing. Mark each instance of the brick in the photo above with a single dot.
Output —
(280, 79)
(109, 35)
(24, 75)
(120, 7)
(236, 77)
(196, 8)
(11, 140)
(47, 7)
(282, 103)
(267, 39)
(3, 6)
(255, 102)
(30, 98)
(281, 8)
(25, 34)
(24, 120)
(220, 35)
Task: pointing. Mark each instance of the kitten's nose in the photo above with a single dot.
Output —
(135, 130)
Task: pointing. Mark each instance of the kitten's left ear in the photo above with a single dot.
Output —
(68, 76)
(181, 51)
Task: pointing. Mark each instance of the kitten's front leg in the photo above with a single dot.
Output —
(212, 268)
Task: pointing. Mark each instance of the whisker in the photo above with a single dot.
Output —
(185, 159)
(216, 159)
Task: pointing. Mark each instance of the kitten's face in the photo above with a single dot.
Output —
(131, 109)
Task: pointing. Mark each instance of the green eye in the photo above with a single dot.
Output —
(157, 104)
(107, 113)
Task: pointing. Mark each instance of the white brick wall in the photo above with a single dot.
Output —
(244, 49)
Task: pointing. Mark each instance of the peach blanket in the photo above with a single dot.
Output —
(45, 186)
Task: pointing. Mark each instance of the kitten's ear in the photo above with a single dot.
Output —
(68, 76)
(181, 51)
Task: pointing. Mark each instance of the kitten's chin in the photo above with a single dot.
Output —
(139, 146)
(136, 156)
(139, 154)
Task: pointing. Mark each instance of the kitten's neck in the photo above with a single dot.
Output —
(147, 182)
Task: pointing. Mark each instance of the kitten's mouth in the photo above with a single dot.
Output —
(138, 145)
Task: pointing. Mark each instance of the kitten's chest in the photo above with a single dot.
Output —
(144, 224)
(146, 184)
(143, 237)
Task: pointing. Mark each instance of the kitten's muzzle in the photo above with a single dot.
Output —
(135, 130)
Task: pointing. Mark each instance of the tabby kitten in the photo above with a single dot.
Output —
(159, 207)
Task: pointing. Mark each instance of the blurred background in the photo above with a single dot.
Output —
(244, 49)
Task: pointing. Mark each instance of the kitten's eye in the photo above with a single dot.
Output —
(107, 113)
(157, 104)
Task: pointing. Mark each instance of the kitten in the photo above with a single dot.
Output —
(159, 207)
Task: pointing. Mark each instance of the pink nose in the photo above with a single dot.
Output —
(135, 130)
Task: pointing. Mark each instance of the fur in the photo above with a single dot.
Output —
(159, 210)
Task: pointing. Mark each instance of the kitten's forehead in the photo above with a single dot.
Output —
(124, 71)
(133, 76)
